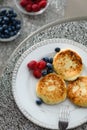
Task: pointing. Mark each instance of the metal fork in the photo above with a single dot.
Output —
(64, 118)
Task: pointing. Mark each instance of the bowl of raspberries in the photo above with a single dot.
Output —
(32, 7)
(10, 23)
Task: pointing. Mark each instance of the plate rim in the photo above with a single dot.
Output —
(33, 47)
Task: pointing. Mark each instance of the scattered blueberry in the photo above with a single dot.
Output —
(49, 66)
(44, 72)
(51, 60)
(49, 71)
(39, 101)
(57, 49)
(46, 59)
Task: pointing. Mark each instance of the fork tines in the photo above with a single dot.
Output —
(64, 116)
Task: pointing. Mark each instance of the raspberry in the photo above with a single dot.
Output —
(37, 73)
(30, 2)
(37, 1)
(32, 65)
(23, 3)
(28, 8)
(35, 7)
(41, 64)
(42, 3)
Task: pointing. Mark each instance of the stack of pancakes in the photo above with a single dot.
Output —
(52, 88)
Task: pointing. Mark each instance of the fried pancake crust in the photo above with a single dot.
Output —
(51, 89)
(68, 64)
(77, 91)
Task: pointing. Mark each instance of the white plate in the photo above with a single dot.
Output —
(24, 84)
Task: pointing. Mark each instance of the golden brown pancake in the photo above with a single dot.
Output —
(77, 91)
(68, 64)
(51, 89)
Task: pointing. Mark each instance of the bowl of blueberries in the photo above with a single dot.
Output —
(32, 7)
(11, 23)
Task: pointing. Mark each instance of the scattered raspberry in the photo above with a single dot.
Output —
(41, 64)
(23, 3)
(37, 1)
(32, 65)
(30, 2)
(37, 73)
(28, 8)
(35, 7)
(42, 3)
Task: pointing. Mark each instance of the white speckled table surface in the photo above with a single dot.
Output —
(10, 116)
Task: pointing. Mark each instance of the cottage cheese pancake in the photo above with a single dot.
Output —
(51, 89)
(68, 64)
(77, 91)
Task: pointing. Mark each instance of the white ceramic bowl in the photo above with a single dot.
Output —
(17, 2)
(18, 17)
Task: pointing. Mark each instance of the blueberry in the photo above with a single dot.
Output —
(2, 36)
(49, 66)
(11, 34)
(39, 101)
(7, 36)
(14, 22)
(4, 26)
(3, 12)
(12, 19)
(51, 60)
(13, 28)
(6, 31)
(11, 11)
(9, 29)
(18, 21)
(46, 59)
(49, 71)
(3, 22)
(1, 29)
(6, 19)
(14, 15)
(0, 20)
(18, 26)
(44, 72)
(57, 49)
(15, 32)
(9, 15)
